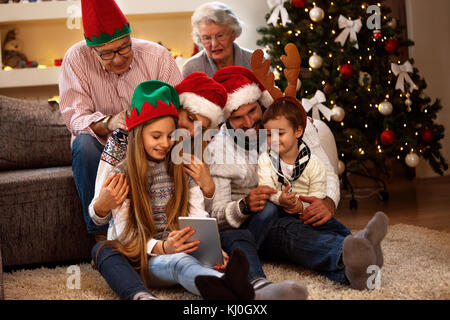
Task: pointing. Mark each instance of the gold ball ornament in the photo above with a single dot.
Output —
(340, 167)
(337, 113)
(315, 61)
(317, 14)
(385, 108)
(412, 160)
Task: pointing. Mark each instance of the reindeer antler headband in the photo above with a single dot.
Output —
(292, 62)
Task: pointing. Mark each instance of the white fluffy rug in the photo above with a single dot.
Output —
(417, 266)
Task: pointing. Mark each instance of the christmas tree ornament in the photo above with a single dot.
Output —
(346, 71)
(427, 135)
(315, 103)
(316, 14)
(277, 8)
(377, 34)
(351, 28)
(387, 137)
(402, 71)
(385, 108)
(299, 84)
(391, 46)
(315, 61)
(392, 23)
(337, 113)
(340, 167)
(328, 88)
(412, 160)
(408, 103)
(298, 3)
(363, 77)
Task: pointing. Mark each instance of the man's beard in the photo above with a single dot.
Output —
(250, 140)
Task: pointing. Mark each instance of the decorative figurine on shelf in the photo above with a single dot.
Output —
(12, 55)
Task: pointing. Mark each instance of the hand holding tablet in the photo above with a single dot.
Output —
(209, 251)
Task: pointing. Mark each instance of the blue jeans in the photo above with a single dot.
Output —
(316, 248)
(86, 152)
(250, 236)
(169, 270)
(164, 271)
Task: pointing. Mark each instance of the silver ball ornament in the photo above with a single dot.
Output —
(412, 160)
(337, 114)
(315, 61)
(385, 108)
(317, 14)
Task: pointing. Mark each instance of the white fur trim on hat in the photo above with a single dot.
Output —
(266, 99)
(244, 95)
(202, 106)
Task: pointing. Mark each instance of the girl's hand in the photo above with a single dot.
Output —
(113, 193)
(200, 173)
(287, 200)
(221, 268)
(176, 242)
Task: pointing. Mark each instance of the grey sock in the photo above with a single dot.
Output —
(375, 231)
(143, 295)
(285, 290)
(358, 254)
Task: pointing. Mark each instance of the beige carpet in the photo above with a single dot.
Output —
(417, 266)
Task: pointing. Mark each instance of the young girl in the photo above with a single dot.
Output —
(288, 166)
(151, 193)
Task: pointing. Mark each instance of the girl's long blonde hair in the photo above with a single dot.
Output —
(140, 226)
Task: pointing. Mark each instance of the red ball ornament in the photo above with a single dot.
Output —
(377, 34)
(387, 137)
(346, 71)
(427, 135)
(299, 3)
(391, 46)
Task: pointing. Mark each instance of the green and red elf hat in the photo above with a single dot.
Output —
(152, 99)
(103, 22)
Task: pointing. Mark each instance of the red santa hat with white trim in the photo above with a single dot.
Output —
(242, 87)
(202, 95)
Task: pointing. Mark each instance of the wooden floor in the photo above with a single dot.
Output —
(422, 202)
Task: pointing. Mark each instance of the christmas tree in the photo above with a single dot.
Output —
(356, 77)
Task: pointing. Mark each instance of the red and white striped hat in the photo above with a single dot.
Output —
(242, 87)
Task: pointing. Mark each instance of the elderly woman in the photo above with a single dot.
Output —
(215, 27)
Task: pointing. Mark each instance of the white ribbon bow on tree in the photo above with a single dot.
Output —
(402, 72)
(315, 103)
(351, 27)
(278, 8)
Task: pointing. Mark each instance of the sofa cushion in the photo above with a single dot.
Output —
(41, 220)
(32, 135)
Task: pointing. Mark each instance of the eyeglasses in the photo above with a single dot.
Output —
(109, 55)
(220, 37)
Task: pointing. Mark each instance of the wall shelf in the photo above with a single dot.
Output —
(29, 77)
(48, 10)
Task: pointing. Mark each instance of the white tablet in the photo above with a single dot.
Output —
(209, 251)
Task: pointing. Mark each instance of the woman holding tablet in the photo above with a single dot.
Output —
(150, 193)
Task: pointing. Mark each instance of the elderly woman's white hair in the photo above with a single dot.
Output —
(218, 13)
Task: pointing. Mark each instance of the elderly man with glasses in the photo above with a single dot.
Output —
(215, 27)
(97, 80)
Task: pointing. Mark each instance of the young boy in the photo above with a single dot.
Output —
(288, 166)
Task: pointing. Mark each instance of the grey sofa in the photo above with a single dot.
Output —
(40, 212)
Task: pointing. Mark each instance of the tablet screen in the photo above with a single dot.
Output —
(209, 250)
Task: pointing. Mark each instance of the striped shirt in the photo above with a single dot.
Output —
(88, 92)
